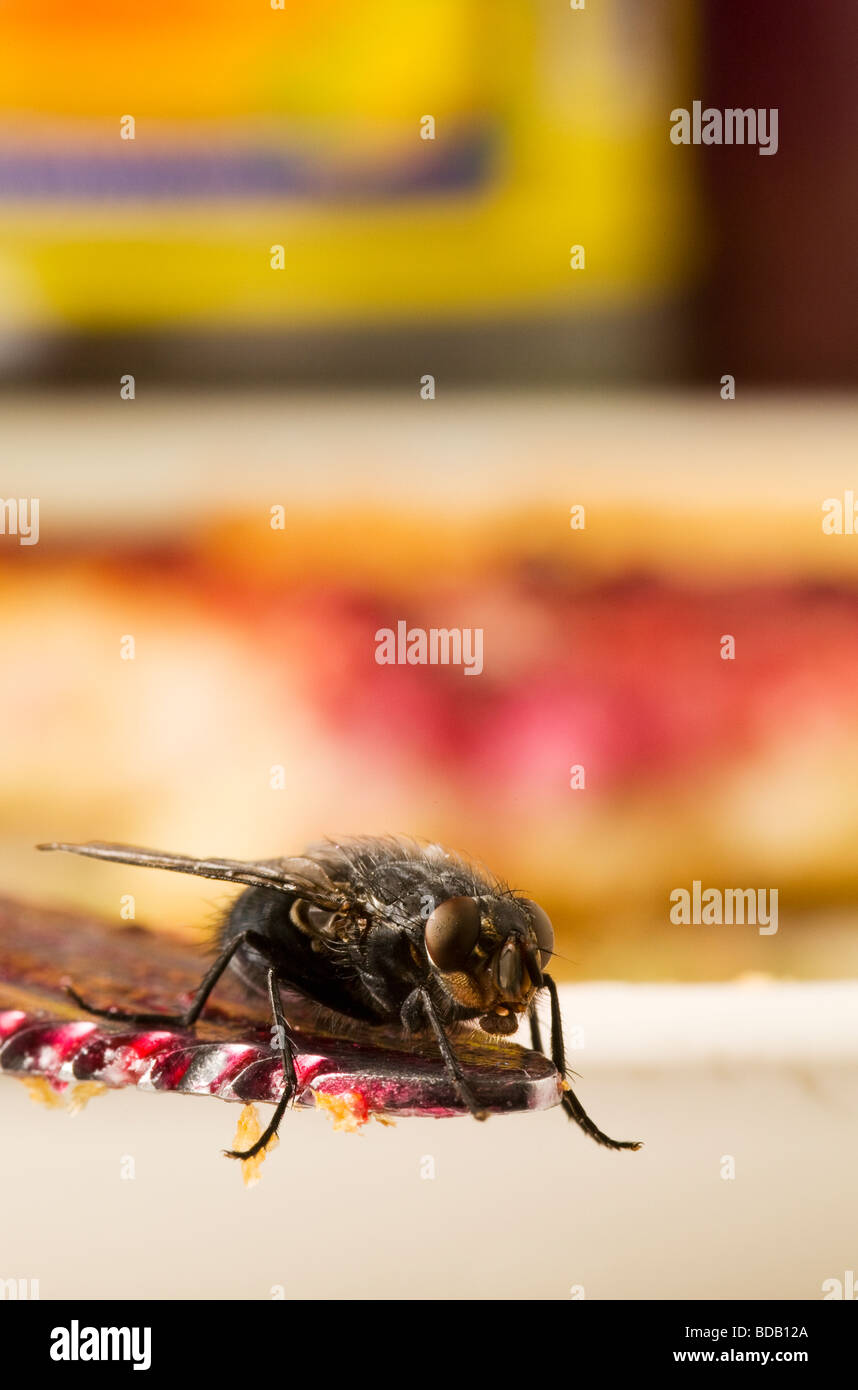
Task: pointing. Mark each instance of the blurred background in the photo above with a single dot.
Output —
(304, 388)
(253, 717)
(303, 127)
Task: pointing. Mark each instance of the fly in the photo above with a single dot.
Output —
(377, 931)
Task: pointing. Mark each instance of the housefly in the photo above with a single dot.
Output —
(376, 931)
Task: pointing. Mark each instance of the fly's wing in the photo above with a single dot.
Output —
(301, 877)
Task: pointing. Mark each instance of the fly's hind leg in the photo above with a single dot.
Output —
(290, 1079)
(195, 1008)
(189, 1017)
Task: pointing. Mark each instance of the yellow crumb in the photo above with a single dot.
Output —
(347, 1110)
(80, 1095)
(383, 1120)
(247, 1132)
(72, 1099)
(42, 1092)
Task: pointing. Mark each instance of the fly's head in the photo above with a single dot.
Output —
(489, 953)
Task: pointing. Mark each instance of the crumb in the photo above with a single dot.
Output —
(42, 1092)
(348, 1110)
(60, 1095)
(247, 1132)
(80, 1095)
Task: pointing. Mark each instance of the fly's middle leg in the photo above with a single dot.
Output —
(451, 1061)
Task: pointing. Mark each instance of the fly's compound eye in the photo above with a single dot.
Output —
(452, 932)
(543, 930)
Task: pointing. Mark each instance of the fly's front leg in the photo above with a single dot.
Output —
(535, 1030)
(420, 1001)
(570, 1102)
(290, 1079)
(204, 989)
